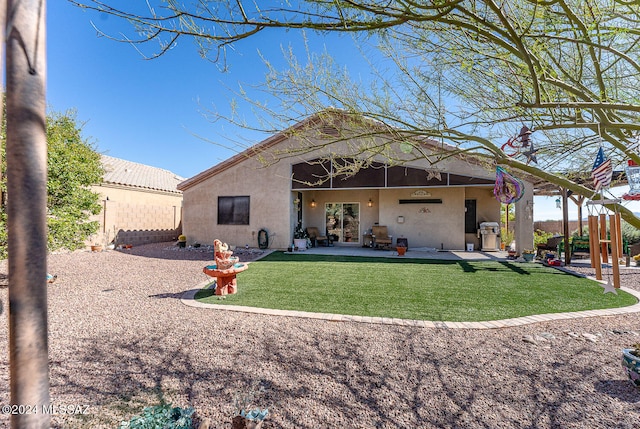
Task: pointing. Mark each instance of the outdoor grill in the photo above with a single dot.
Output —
(489, 232)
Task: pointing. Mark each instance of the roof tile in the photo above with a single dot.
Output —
(121, 172)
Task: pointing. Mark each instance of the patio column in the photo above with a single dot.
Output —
(524, 220)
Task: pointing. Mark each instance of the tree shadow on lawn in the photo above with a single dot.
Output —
(466, 265)
(418, 378)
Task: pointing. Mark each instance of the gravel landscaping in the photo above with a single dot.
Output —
(120, 339)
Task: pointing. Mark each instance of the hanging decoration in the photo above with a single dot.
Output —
(605, 241)
(531, 154)
(602, 171)
(434, 174)
(633, 178)
(513, 146)
(508, 189)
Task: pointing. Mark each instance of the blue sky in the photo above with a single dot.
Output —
(151, 111)
(146, 111)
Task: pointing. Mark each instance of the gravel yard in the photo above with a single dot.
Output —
(120, 339)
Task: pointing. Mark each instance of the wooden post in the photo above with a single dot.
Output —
(594, 243)
(604, 246)
(619, 231)
(565, 226)
(3, 22)
(26, 154)
(615, 241)
(593, 228)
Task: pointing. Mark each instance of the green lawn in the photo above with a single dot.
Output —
(418, 289)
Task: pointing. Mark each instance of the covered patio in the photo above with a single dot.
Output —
(544, 188)
(419, 253)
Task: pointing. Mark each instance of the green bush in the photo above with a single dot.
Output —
(73, 166)
(630, 233)
(161, 417)
(541, 237)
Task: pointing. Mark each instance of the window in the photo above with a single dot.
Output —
(233, 210)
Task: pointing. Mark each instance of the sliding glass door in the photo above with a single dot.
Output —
(343, 221)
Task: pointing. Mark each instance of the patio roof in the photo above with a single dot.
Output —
(546, 188)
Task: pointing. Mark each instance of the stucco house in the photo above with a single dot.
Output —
(140, 203)
(343, 176)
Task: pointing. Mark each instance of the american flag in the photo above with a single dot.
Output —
(602, 171)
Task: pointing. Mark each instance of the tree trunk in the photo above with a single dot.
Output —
(26, 211)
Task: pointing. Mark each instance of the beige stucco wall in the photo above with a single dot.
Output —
(425, 225)
(488, 210)
(271, 204)
(524, 220)
(136, 209)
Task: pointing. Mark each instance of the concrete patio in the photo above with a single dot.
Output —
(419, 252)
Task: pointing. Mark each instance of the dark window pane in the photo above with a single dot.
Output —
(407, 176)
(233, 210)
(457, 180)
(312, 174)
(370, 177)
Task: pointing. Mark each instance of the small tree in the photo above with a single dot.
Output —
(73, 166)
(566, 69)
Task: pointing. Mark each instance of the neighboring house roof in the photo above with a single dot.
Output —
(132, 174)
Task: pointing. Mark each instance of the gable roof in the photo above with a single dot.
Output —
(327, 118)
(127, 173)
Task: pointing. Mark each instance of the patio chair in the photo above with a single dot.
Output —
(381, 237)
(550, 246)
(315, 237)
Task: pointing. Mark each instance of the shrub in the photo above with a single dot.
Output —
(630, 233)
(541, 237)
(161, 416)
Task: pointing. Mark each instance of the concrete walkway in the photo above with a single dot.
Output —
(189, 297)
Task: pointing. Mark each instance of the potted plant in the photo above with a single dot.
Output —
(631, 363)
(527, 254)
(96, 247)
(401, 250)
(300, 237)
(182, 240)
(506, 238)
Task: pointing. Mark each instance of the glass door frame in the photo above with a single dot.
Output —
(339, 230)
